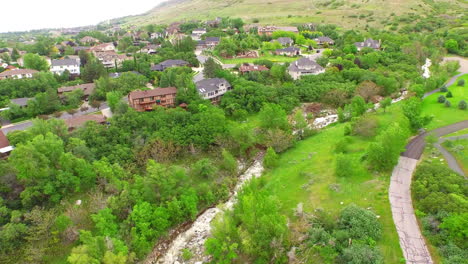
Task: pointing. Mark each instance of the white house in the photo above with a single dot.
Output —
(213, 89)
(304, 66)
(60, 66)
(17, 74)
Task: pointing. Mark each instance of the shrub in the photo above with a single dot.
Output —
(361, 223)
(447, 103)
(365, 126)
(364, 254)
(271, 158)
(345, 166)
(441, 99)
(462, 105)
(443, 89)
(461, 82)
(449, 94)
(342, 145)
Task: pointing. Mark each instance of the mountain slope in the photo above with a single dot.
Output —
(347, 13)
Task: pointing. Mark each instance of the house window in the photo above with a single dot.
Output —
(142, 100)
(152, 98)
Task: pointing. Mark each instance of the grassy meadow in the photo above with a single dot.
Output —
(306, 175)
(443, 115)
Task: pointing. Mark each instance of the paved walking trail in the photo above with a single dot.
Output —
(411, 240)
(451, 161)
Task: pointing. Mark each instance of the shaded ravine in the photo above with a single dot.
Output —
(411, 239)
(193, 236)
(451, 161)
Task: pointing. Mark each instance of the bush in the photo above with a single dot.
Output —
(365, 126)
(443, 89)
(441, 99)
(361, 223)
(345, 166)
(271, 158)
(363, 254)
(449, 94)
(461, 82)
(447, 103)
(462, 105)
(342, 145)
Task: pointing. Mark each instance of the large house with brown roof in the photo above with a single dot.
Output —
(268, 30)
(87, 89)
(103, 47)
(79, 121)
(111, 58)
(18, 74)
(246, 68)
(148, 100)
(89, 40)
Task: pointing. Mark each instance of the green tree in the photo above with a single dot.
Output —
(413, 111)
(451, 45)
(229, 163)
(211, 67)
(92, 70)
(113, 99)
(204, 169)
(385, 103)
(105, 222)
(36, 62)
(345, 166)
(271, 158)
(273, 116)
(362, 254)
(462, 105)
(360, 223)
(300, 123)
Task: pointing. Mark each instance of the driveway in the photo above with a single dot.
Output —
(411, 240)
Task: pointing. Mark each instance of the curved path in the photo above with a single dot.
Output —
(451, 161)
(411, 240)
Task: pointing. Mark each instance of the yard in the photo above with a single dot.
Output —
(443, 115)
(306, 175)
(273, 58)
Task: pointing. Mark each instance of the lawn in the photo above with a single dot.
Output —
(442, 115)
(306, 175)
(273, 58)
(459, 149)
(458, 133)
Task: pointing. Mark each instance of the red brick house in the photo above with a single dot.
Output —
(148, 100)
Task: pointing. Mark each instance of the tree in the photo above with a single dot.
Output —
(462, 105)
(271, 158)
(105, 222)
(204, 169)
(362, 254)
(383, 154)
(412, 110)
(345, 166)
(113, 98)
(36, 62)
(385, 103)
(360, 223)
(451, 45)
(447, 104)
(273, 116)
(92, 70)
(300, 123)
(461, 82)
(73, 98)
(368, 90)
(229, 163)
(441, 99)
(449, 94)
(211, 67)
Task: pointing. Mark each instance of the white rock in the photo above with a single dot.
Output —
(78, 202)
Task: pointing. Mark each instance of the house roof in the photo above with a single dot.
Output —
(368, 43)
(17, 72)
(65, 62)
(20, 101)
(199, 29)
(305, 64)
(284, 40)
(81, 120)
(3, 140)
(87, 88)
(168, 63)
(250, 68)
(324, 39)
(153, 92)
(212, 39)
(102, 46)
(209, 85)
(89, 39)
(289, 49)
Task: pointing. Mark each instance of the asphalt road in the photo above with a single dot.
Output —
(415, 148)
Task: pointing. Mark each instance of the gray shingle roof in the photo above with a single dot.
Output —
(305, 64)
(368, 43)
(65, 62)
(210, 85)
(289, 49)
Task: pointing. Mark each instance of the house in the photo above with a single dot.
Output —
(5, 147)
(17, 74)
(103, 47)
(169, 64)
(324, 40)
(89, 40)
(156, 35)
(10, 68)
(21, 102)
(197, 33)
(304, 66)
(150, 49)
(173, 28)
(285, 41)
(212, 42)
(368, 43)
(213, 89)
(110, 58)
(87, 89)
(80, 48)
(289, 51)
(3, 65)
(246, 68)
(268, 30)
(79, 121)
(214, 23)
(148, 100)
(70, 65)
(114, 75)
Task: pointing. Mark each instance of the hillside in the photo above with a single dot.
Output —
(349, 13)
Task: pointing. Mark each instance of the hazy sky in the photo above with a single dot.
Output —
(36, 14)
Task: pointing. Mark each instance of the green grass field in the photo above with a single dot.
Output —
(442, 115)
(459, 149)
(458, 133)
(300, 179)
(273, 58)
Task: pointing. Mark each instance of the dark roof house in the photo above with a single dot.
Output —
(213, 89)
(87, 88)
(168, 64)
(285, 41)
(289, 51)
(368, 43)
(79, 121)
(21, 101)
(324, 39)
(304, 66)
